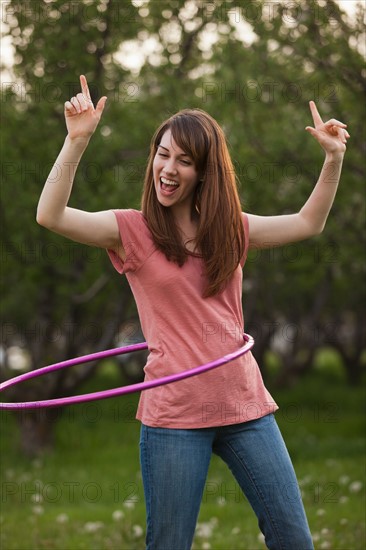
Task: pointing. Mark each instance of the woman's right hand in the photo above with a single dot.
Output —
(80, 115)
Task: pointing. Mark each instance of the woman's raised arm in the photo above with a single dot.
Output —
(267, 231)
(93, 228)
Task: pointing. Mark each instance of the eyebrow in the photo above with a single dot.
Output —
(180, 154)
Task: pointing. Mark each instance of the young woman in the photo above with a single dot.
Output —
(183, 256)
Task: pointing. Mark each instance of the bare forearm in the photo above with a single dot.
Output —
(92, 228)
(58, 186)
(315, 211)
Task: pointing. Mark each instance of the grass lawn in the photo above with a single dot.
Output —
(87, 493)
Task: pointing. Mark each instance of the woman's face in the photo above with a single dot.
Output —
(175, 174)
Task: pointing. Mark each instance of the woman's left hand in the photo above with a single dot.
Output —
(331, 135)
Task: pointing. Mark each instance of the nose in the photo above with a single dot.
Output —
(169, 167)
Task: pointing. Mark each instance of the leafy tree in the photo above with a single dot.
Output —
(254, 66)
(70, 303)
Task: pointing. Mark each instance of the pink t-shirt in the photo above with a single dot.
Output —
(184, 330)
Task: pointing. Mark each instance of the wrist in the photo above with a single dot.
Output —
(79, 141)
(334, 156)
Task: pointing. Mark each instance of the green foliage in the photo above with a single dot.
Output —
(254, 66)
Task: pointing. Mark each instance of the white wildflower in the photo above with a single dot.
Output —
(206, 546)
(235, 530)
(320, 512)
(324, 531)
(355, 486)
(343, 499)
(343, 521)
(38, 510)
(129, 504)
(305, 480)
(325, 544)
(118, 515)
(137, 531)
(37, 497)
(62, 518)
(261, 538)
(316, 537)
(221, 501)
(204, 530)
(93, 526)
(343, 480)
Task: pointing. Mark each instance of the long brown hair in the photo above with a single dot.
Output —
(220, 235)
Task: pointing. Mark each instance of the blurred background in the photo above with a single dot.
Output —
(254, 65)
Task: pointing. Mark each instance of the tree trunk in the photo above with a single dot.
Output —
(37, 430)
(352, 364)
(349, 341)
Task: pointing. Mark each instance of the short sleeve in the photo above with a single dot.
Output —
(135, 238)
(246, 235)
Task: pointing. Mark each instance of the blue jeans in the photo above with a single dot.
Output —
(174, 465)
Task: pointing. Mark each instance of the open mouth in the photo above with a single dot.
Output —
(168, 186)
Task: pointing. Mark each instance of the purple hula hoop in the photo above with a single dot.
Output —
(249, 343)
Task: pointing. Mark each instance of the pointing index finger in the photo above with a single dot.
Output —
(84, 87)
(315, 114)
